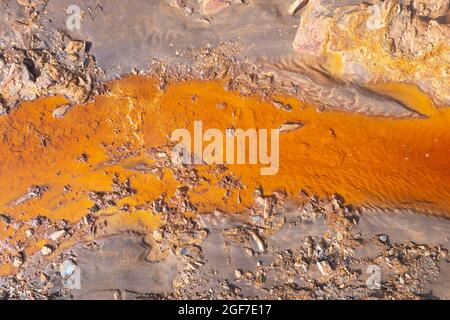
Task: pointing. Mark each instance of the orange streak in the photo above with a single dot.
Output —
(369, 161)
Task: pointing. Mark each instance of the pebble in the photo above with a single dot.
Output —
(55, 236)
(324, 267)
(221, 105)
(157, 235)
(43, 278)
(46, 250)
(258, 240)
(290, 126)
(29, 233)
(296, 6)
(18, 261)
(60, 111)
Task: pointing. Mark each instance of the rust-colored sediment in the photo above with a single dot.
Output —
(369, 161)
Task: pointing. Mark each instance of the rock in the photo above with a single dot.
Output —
(3, 109)
(18, 261)
(261, 244)
(29, 233)
(238, 273)
(282, 106)
(46, 250)
(74, 46)
(296, 6)
(5, 218)
(221, 105)
(60, 111)
(211, 7)
(324, 267)
(55, 236)
(43, 278)
(268, 207)
(290, 126)
(157, 235)
(383, 238)
(409, 43)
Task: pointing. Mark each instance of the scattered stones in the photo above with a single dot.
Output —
(325, 263)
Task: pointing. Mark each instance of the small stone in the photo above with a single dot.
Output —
(29, 233)
(5, 219)
(43, 278)
(60, 111)
(282, 106)
(46, 250)
(55, 236)
(221, 105)
(157, 235)
(211, 7)
(258, 240)
(324, 267)
(296, 6)
(290, 126)
(238, 273)
(74, 46)
(383, 238)
(18, 261)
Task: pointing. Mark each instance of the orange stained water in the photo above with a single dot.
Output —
(401, 163)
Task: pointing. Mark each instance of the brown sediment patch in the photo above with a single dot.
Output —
(402, 163)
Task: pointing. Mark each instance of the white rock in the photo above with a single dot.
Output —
(324, 267)
(290, 126)
(296, 6)
(46, 250)
(60, 111)
(18, 261)
(55, 236)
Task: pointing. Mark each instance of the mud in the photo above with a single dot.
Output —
(333, 248)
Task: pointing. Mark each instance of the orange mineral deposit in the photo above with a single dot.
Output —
(379, 162)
